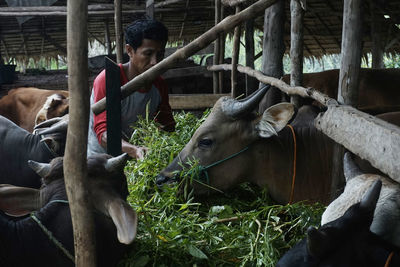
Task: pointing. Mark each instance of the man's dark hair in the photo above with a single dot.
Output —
(145, 29)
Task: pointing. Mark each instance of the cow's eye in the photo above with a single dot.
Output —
(205, 143)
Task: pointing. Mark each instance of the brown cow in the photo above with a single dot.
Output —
(379, 89)
(235, 145)
(22, 105)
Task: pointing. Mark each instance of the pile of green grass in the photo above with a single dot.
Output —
(239, 228)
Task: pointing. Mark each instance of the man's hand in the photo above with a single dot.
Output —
(137, 152)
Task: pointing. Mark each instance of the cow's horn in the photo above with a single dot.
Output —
(237, 108)
(371, 197)
(59, 127)
(48, 123)
(350, 169)
(40, 168)
(116, 163)
(316, 241)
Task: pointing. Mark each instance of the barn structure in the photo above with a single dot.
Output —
(302, 28)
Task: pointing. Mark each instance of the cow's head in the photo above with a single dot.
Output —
(346, 241)
(221, 144)
(56, 105)
(106, 187)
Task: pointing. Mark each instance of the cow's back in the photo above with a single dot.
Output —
(22, 104)
(377, 88)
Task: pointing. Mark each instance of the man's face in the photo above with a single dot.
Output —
(147, 55)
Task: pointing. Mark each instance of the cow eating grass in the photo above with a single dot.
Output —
(45, 238)
(236, 145)
(346, 241)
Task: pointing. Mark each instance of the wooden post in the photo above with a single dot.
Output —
(348, 78)
(273, 50)
(296, 48)
(150, 8)
(118, 30)
(75, 169)
(235, 57)
(222, 38)
(376, 29)
(249, 41)
(113, 94)
(216, 47)
(107, 39)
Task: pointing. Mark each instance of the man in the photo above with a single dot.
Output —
(145, 45)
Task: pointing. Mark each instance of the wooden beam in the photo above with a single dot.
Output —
(54, 43)
(370, 138)
(235, 57)
(184, 19)
(107, 39)
(376, 37)
(217, 47)
(199, 43)
(75, 169)
(351, 53)
(194, 101)
(249, 41)
(150, 8)
(185, 72)
(221, 58)
(273, 50)
(296, 48)
(119, 44)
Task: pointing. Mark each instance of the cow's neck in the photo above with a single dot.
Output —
(313, 165)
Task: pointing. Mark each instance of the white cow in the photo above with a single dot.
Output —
(386, 221)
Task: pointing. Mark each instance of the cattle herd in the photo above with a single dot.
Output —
(233, 145)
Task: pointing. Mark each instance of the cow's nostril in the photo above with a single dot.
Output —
(161, 180)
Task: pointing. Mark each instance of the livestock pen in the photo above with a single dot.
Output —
(238, 228)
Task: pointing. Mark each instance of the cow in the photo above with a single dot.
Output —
(346, 241)
(17, 146)
(45, 238)
(22, 105)
(386, 222)
(235, 145)
(378, 90)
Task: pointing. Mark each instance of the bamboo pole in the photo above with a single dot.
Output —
(150, 8)
(222, 39)
(249, 40)
(181, 54)
(75, 169)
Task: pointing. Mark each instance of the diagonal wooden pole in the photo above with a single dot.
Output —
(181, 54)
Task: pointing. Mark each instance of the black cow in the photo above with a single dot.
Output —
(17, 146)
(346, 241)
(31, 241)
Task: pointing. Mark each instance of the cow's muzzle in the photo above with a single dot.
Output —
(162, 180)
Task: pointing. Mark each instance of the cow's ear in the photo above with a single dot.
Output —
(18, 201)
(274, 119)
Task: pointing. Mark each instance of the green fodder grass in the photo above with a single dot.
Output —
(239, 228)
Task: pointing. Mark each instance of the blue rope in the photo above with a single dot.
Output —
(201, 171)
(50, 234)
